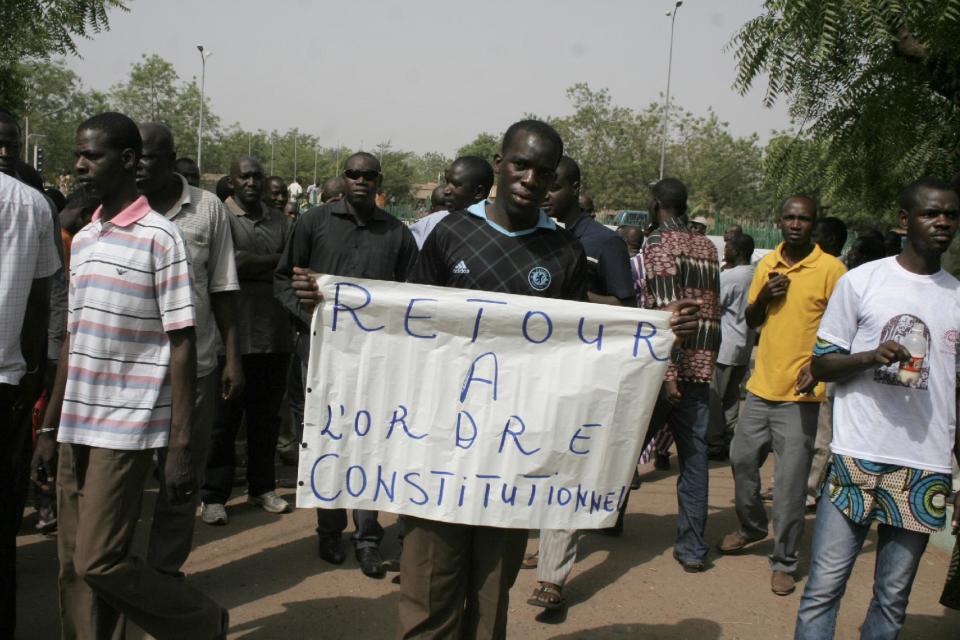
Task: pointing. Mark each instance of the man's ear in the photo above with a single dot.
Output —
(904, 217)
(497, 159)
(129, 159)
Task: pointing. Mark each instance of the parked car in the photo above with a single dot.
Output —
(632, 219)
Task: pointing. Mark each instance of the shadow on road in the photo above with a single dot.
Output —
(683, 630)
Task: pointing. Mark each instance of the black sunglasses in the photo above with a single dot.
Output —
(356, 174)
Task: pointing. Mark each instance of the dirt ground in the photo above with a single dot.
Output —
(265, 569)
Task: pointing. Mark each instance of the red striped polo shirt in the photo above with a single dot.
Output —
(130, 284)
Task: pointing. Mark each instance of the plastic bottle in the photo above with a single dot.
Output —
(916, 344)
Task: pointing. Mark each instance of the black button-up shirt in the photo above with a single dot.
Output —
(328, 239)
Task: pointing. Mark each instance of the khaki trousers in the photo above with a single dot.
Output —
(456, 579)
(99, 493)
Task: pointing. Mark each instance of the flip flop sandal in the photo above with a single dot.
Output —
(530, 561)
(547, 596)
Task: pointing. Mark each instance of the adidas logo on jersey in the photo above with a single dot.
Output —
(461, 268)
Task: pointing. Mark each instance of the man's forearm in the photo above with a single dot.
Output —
(224, 306)
(597, 298)
(833, 367)
(755, 314)
(183, 382)
(33, 335)
(51, 418)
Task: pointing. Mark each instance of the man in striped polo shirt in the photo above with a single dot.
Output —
(124, 389)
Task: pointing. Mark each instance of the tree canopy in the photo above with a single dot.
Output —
(873, 85)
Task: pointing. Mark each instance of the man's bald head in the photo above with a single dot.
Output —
(155, 169)
(160, 138)
(332, 190)
(806, 202)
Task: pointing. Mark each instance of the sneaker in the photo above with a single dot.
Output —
(270, 502)
(213, 513)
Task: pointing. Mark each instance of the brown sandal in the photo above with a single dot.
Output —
(530, 560)
(548, 596)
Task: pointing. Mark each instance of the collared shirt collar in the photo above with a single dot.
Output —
(579, 223)
(184, 201)
(237, 210)
(675, 222)
(811, 258)
(479, 210)
(133, 213)
(340, 208)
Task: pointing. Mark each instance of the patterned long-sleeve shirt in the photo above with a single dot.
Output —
(679, 263)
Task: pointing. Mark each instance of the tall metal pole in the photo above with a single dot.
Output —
(666, 101)
(338, 158)
(315, 153)
(203, 81)
(294, 155)
(273, 151)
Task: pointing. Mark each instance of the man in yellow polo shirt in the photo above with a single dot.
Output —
(787, 298)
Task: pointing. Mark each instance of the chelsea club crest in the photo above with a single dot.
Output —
(539, 278)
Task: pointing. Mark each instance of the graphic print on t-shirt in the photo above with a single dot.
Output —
(916, 373)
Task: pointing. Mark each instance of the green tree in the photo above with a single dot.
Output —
(486, 145)
(55, 105)
(154, 92)
(429, 167)
(38, 29)
(874, 86)
(398, 174)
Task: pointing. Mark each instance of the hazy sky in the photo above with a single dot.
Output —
(431, 74)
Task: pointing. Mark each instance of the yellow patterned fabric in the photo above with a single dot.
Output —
(902, 497)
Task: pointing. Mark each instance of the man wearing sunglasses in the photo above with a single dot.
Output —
(351, 237)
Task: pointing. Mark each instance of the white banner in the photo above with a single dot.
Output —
(475, 407)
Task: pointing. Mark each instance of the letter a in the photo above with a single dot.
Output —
(472, 376)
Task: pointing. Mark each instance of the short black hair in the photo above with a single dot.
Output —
(479, 170)
(910, 193)
(122, 132)
(332, 187)
(743, 243)
(57, 196)
(224, 189)
(276, 179)
(572, 168)
(671, 194)
(536, 127)
(185, 164)
(832, 227)
(800, 196)
(364, 154)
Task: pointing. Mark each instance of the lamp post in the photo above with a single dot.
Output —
(273, 151)
(295, 134)
(672, 14)
(203, 80)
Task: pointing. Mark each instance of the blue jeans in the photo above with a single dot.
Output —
(689, 422)
(837, 541)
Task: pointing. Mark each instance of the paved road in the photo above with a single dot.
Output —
(265, 569)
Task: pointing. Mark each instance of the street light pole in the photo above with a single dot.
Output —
(666, 103)
(295, 133)
(315, 154)
(273, 151)
(203, 81)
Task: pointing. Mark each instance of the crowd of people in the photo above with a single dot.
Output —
(146, 319)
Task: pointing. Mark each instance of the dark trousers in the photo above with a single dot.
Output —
(332, 522)
(14, 481)
(266, 376)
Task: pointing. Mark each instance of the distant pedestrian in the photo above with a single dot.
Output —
(467, 181)
(264, 343)
(736, 345)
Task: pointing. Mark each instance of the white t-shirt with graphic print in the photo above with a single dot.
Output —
(876, 416)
